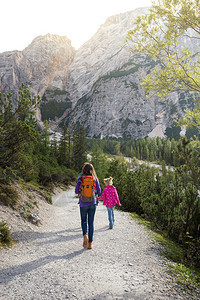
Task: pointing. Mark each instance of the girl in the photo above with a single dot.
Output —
(87, 209)
(110, 198)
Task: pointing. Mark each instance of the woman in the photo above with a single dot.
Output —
(87, 209)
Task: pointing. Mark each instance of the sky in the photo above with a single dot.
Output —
(23, 20)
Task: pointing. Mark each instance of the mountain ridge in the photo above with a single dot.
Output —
(97, 86)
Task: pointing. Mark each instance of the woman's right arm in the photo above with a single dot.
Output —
(97, 187)
(77, 188)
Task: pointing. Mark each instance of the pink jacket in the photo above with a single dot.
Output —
(110, 196)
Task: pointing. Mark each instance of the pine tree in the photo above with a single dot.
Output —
(54, 146)
(100, 162)
(167, 152)
(17, 132)
(64, 148)
(79, 147)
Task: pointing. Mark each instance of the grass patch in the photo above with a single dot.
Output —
(186, 275)
(169, 249)
(140, 220)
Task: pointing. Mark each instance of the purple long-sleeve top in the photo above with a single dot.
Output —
(97, 192)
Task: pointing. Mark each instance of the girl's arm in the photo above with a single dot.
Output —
(103, 195)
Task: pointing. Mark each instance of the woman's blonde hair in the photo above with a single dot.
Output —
(108, 180)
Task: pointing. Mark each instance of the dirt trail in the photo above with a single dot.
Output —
(50, 263)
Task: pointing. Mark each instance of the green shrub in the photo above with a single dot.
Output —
(167, 201)
(51, 172)
(8, 195)
(5, 237)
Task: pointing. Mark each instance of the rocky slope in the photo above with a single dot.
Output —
(97, 86)
(36, 65)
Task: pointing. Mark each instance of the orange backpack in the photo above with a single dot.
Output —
(87, 189)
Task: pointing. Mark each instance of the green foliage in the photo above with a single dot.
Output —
(27, 153)
(79, 147)
(167, 201)
(190, 160)
(192, 118)
(100, 162)
(5, 237)
(53, 109)
(158, 35)
(51, 172)
(188, 278)
(150, 149)
(8, 195)
(64, 148)
(17, 132)
(173, 132)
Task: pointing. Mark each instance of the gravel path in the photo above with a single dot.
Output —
(49, 262)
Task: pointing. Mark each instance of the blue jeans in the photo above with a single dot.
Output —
(87, 217)
(111, 218)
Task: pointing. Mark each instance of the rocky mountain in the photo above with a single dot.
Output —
(36, 65)
(97, 86)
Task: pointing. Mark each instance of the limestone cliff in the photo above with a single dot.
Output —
(36, 65)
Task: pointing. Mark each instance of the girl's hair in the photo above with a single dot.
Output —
(88, 169)
(108, 180)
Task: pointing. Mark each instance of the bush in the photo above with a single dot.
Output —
(167, 201)
(51, 172)
(5, 237)
(8, 195)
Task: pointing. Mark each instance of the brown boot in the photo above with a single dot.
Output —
(85, 241)
(90, 245)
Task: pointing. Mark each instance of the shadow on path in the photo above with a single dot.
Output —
(26, 236)
(53, 237)
(9, 273)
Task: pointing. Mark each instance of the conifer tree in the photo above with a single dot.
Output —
(79, 147)
(167, 152)
(17, 132)
(100, 162)
(64, 148)
(146, 155)
(54, 146)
